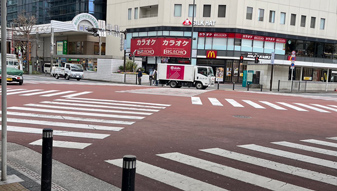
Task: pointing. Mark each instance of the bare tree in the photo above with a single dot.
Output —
(23, 38)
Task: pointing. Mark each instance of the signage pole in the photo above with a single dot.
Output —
(192, 30)
(327, 80)
(4, 92)
(292, 76)
(272, 70)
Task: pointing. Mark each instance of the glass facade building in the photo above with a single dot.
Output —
(60, 10)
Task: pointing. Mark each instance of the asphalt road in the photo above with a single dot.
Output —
(184, 139)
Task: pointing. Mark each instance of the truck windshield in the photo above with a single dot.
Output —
(210, 72)
(77, 68)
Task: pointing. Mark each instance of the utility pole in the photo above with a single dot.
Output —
(192, 30)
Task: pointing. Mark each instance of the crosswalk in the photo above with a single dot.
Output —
(282, 106)
(94, 118)
(45, 93)
(258, 158)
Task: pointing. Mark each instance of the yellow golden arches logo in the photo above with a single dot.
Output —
(211, 54)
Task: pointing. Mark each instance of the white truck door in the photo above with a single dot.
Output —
(202, 76)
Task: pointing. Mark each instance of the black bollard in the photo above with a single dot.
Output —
(218, 84)
(129, 173)
(278, 87)
(47, 152)
(261, 87)
(247, 86)
(136, 79)
(233, 85)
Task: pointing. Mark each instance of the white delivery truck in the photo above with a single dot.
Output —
(67, 71)
(177, 75)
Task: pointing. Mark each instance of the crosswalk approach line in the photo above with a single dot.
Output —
(291, 155)
(118, 101)
(234, 103)
(307, 148)
(304, 173)
(253, 104)
(98, 106)
(58, 93)
(318, 142)
(88, 109)
(233, 173)
(58, 133)
(168, 177)
(215, 101)
(273, 105)
(196, 101)
(77, 94)
(292, 106)
(312, 108)
(25, 91)
(75, 113)
(38, 93)
(325, 107)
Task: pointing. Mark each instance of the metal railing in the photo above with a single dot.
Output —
(306, 86)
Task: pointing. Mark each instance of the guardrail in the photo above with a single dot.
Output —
(306, 86)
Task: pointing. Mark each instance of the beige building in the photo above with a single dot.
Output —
(297, 32)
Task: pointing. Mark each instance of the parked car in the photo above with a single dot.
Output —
(13, 75)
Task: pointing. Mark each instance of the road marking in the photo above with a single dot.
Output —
(65, 125)
(333, 106)
(234, 103)
(325, 107)
(58, 93)
(318, 142)
(168, 177)
(63, 117)
(313, 108)
(117, 101)
(25, 91)
(273, 105)
(13, 90)
(274, 165)
(77, 94)
(292, 106)
(230, 172)
(88, 109)
(290, 155)
(64, 144)
(75, 113)
(196, 101)
(215, 101)
(257, 106)
(307, 148)
(106, 103)
(98, 106)
(58, 133)
(37, 93)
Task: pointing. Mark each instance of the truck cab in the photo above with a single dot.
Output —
(68, 71)
(204, 77)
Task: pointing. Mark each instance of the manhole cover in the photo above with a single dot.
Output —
(241, 116)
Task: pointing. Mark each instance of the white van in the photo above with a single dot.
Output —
(48, 68)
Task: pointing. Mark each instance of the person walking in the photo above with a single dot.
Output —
(140, 74)
(154, 74)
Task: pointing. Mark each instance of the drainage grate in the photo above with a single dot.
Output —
(242, 116)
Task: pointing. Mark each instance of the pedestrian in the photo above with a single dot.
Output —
(154, 77)
(140, 74)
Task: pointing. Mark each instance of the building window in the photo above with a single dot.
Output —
(293, 19)
(136, 13)
(249, 14)
(222, 11)
(303, 19)
(177, 10)
(313, 22)
(190, 10)
(261, 14)
(283, 18)
(272, 16)
(207, 11)
(322, 26)
(129, 13)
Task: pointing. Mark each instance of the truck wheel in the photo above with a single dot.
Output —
(67, 77)
(173, 84)
(78, 79)
(199, 85)
(57, 76)
(20, 82)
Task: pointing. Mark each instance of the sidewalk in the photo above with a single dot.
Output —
(26, 165)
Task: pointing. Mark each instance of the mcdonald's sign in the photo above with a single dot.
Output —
(211, 54)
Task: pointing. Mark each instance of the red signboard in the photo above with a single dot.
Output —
(269, 39)
(231, 35)
(211, 54)
(247, 36)
(281, 40)
(164, 47)
(175, 72)
(201, 34)
(220, 35)
(259, 38)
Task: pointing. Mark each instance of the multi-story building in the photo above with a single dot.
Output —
(60, 10)
(298, 32)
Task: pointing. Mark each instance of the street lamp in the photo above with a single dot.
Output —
(193, 6)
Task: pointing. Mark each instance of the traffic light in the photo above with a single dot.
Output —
(130, 56)
(241, 59)
(257, 59)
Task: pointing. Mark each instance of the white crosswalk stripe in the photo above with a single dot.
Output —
(98, 118)
(38, 93)
(233, 173)
(77, 94)
(234, 103)
(313, 108)
(292, 106)
(307, 148)
(215, 102)
(273, 105)
(64, 144)
(47, 93)
(24, 91)
(318, 142)
(58, 93)
(291, 155)
(312, 175)
(333, 106)
(257, 106)
(325, 107)
(196, 101)
(168, 177)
